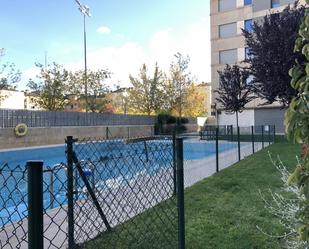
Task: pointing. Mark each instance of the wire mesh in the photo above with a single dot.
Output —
(218, 147)
(55, 206)
(199, 159)
(132, 180)
(13, 207)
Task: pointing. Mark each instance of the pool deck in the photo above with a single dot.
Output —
(197, 170)
(55, 221)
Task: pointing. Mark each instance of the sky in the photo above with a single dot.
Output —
(121, 35)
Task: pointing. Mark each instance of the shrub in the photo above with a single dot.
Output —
(184, 120)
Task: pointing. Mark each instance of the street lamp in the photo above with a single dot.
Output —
(84, 9)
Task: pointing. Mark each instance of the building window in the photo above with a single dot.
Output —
(247, 2)
(247, 53)
(226, 5)
(228, 30)
(228, 56)
(248, 25)
(275, 3)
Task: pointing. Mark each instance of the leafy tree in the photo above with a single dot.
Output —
(178, 84)
(52, 87)
(96, 89)
(271, 55)
(297, 125)
(233, 91)
(9, 76)
(120, 100)
(146, 95)
(194, 105)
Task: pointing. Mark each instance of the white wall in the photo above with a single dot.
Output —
(12, 99)
(245, 118)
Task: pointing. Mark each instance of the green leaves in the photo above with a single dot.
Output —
(293, 178)
(297, 124)
(305, 50)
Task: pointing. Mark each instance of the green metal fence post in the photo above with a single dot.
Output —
(217, 149)
(262, 136)
(180, 194)
(174, 162)
(35, 204)
(106, 132)
(252, 138)
(232, 133)
(238, 142)
(70, 188)
(274, 134)
(269, 135)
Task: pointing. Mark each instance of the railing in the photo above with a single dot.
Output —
(125, 193)
(217, 147)
(119, 192)
(10, 118)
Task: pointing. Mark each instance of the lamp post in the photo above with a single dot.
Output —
(84, 9)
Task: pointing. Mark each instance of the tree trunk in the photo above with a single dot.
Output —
(237, 118)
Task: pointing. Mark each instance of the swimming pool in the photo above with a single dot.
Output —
(98, 162)
(51, 155)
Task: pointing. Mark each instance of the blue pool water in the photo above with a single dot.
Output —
(50, 155)
(13, 186)
(55, 155)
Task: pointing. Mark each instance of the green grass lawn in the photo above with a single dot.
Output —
(222, 211)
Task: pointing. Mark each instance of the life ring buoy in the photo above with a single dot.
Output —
(21, 130)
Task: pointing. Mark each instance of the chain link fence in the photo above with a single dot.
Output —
(117, 193)
(14, 206)
(118, 180)
(217, 147)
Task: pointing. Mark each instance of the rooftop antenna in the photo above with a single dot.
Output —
(45, 59)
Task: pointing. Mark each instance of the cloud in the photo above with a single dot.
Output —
(121, 61)
(29, 73)
(104, 30)
(193, 40)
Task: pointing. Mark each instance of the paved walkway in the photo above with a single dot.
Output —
(197, 170)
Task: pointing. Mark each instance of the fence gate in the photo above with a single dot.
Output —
(121, 194)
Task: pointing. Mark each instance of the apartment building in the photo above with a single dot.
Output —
(228, 46)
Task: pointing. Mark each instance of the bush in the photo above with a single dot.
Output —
(167, 123)
(164, 118)
(171, 120)
(184, 120)
(181, 128)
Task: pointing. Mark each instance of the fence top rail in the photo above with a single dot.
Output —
(38, 118)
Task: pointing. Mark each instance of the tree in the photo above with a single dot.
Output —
(96, 89)
(233, 91)
(120, 100)
(146, 95)
(194, 104)
(52, 87)
(178, 84)
(297, 126)
(9, 76)
(271, 55)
